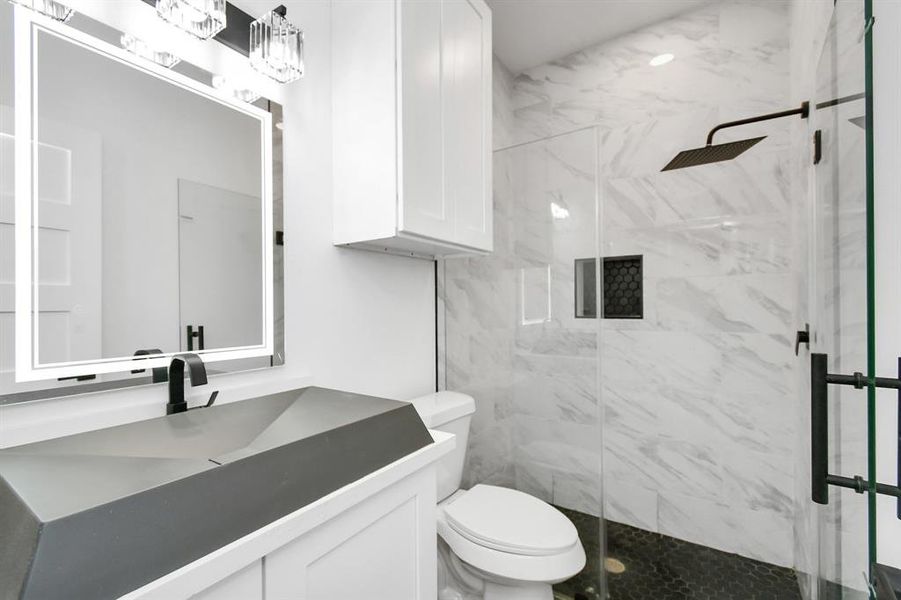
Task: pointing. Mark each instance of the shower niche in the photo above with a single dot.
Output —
(622, 290)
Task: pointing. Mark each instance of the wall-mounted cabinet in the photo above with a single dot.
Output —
(411, 85)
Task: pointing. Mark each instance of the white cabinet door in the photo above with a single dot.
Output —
(423, 207)
(246, 584)
(466, 50)
(382, 549)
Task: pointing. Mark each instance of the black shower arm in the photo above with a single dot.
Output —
(804, 111)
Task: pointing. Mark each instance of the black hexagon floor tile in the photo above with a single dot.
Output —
(664, 568)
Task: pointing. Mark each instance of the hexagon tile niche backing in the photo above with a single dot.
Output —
(623, 287)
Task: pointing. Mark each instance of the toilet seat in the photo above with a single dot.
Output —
(510, 535)
(510, 521)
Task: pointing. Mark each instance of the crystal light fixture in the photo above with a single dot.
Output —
(276, 47)
(145, 50)
(241, 93)
(52, 9)
(201, 18)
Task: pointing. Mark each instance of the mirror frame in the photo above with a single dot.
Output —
(28, 24)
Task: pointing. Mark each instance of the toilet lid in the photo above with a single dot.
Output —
(510, 521)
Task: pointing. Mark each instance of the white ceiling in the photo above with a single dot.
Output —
(528, 33)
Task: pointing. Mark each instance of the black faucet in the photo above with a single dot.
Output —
(196, 371)
(160, 374)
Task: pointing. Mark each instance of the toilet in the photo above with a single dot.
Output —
(494, 543)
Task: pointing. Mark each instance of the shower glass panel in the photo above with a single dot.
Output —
(840, 296)
(514, 342)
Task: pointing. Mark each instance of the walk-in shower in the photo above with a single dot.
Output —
(631, 342)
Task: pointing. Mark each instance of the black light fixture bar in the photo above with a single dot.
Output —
(236, 34)
(821, 479)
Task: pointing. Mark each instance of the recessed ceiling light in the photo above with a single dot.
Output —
(559, 212)
(661, 59)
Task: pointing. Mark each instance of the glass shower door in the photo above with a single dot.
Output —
(841, 309)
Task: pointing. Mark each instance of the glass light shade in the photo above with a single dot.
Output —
(53, 9)
(241, 93)
(276, 48)
(201, 18)
(144, 50)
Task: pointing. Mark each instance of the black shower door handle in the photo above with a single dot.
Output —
(821, 479)
(819, 429)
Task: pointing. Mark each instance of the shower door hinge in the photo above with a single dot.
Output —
(817, 146)
(802, 337)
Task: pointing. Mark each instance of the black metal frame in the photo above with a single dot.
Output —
(821, 479)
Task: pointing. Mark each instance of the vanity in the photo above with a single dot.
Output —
(309, 493)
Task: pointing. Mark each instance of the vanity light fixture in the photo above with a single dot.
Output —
(661, 59)
(276, 47)
(223, 83)
(145, 50)
(201, 18)
(51, 8)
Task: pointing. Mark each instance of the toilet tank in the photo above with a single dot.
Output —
(450, 412)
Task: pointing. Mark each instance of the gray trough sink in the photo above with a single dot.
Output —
(98, 514)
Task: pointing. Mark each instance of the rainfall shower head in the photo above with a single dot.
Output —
(712, 153)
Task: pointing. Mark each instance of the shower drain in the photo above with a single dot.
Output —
(614, 566)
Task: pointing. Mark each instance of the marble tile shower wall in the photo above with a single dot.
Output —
(698, 397)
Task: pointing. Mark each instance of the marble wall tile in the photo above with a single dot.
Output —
(753, 184)
(696, 362)
(740, 304)
(561, 388)
(536, 479)
(611, 84)
(565, 446)
(578, 491)
(719, 246)
(502, 105)
(753, 533)
(628, 503)
(489, 458)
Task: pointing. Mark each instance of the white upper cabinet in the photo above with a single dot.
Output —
(412, 125)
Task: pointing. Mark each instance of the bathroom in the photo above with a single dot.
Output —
(460, 242)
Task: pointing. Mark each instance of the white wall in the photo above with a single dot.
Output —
(354, 320)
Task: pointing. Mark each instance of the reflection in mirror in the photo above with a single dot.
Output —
(109, 223)
(220, 267)
(149, 213)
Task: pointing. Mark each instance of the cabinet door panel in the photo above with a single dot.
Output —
(423, 208)
(467, 122)
(381, 549)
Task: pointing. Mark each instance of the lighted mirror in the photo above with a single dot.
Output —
(145, 214)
